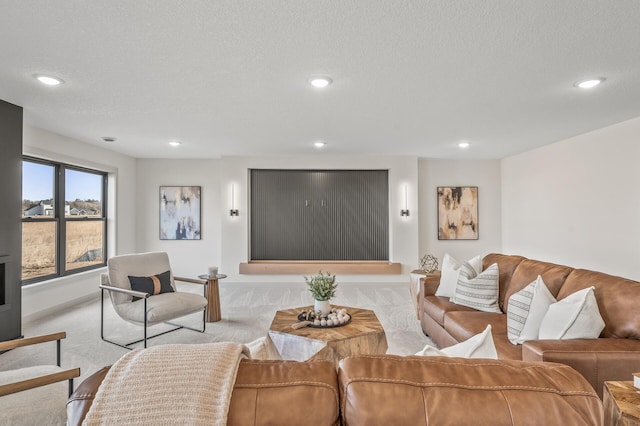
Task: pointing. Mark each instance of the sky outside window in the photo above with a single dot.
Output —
(38, 180)
(82, 186)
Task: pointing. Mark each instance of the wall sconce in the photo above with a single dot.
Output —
(405, 212)
(233, 211)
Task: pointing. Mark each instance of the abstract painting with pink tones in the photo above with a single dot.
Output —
(457, 212)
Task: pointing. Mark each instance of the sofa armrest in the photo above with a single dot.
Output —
(429, 284)
(26, 341)
(134, 293)
(191, 280)
(598, 360)
(81, 399)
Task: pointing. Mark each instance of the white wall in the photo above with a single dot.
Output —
(189, 258)
(40, 298)
(576, 202)
(403, 231)
(572, 202)
(484, 174)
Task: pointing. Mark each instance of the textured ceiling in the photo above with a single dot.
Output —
(410, 77)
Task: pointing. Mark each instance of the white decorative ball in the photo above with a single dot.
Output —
(316, 322)
(323, 322)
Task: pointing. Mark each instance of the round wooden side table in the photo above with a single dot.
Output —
(213, 312)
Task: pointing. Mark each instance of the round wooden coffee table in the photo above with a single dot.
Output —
(363, 335)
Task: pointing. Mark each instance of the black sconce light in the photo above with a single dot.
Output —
(233, 211)
(405, 212)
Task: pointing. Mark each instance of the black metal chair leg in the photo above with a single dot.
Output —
(145, 323)
(146, 336)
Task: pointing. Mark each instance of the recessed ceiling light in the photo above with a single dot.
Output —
(48, 80)
(108, 139)
(320, 144)
(320, 82)
(464, 145)
(588, 84)
(175, 143)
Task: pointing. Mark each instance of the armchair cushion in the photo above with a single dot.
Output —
(138, 265)
(163, 307)
(153, 285)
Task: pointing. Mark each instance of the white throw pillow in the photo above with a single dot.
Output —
(574, 317)
(526, 310)
(449, 274)
(478, 291)
(478, 346)
(262, 348)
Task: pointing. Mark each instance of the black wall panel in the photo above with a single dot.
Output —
(319, 214)
(10, 220)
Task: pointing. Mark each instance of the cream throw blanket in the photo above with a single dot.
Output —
(169, 385)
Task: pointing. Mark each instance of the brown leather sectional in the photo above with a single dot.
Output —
(395, 390)
(613, 356)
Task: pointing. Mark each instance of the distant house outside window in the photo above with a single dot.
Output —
(64, 224)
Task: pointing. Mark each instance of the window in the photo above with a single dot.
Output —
(64, 224)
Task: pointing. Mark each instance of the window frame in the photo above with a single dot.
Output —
(61, 220)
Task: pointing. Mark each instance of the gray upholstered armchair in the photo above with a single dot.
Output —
(143, 292)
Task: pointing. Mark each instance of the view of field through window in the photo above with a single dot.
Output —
(83, 209)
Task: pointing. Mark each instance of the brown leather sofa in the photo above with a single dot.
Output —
(395, 390)
(613, 356)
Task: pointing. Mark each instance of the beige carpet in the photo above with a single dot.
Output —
(247, 311)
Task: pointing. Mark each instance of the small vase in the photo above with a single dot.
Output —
(322, 305)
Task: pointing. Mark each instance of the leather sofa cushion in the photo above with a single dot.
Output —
(617, 301)
(506, 349)
(436, 332)
(528, 270)
(437, 306)
(507, 264)
(596, 359)
(286, 393)
(463, 325)
(436, 390)
(265, 392)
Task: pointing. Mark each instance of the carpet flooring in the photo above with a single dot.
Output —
(247, 311)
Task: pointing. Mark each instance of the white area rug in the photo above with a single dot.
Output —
(247, 311)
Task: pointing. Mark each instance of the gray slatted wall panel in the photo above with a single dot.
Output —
(319, 215)
(277, 216)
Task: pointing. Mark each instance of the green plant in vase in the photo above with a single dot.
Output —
(322, 288)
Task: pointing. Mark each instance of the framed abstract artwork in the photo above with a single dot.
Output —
(457, 212)
(180, 212)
